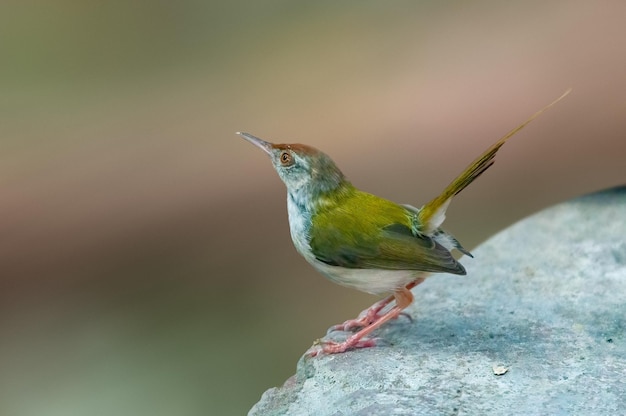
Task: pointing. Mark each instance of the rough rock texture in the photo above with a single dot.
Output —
(545, 299)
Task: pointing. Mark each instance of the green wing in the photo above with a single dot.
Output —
(368, 232)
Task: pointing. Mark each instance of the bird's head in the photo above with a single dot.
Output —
(306, 171)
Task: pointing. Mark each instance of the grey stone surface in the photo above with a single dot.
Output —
(545, 299)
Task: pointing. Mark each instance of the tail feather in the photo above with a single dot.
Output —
(432, 214)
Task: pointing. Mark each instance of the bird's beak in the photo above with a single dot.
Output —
(262, 144)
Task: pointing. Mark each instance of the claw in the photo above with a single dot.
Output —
(313, 351)
(407, 316)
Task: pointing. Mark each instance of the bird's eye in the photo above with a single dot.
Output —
(286, 159)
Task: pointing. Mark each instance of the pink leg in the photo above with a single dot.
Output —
(365, 318)
(403, 298)
(371, 314)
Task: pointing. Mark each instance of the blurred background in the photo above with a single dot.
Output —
(146, 266)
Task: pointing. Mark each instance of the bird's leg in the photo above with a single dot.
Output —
(403, 298)
(371, 314)
(365, 318)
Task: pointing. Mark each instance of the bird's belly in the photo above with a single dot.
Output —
(374, 281)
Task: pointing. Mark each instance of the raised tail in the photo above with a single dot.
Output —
(432, 215)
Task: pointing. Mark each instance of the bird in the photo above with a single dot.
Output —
(365, 242)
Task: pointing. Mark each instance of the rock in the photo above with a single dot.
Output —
(536, 327)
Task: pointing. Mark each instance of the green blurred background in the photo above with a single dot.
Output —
(145, 262)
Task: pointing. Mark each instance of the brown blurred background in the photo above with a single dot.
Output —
(145, 262)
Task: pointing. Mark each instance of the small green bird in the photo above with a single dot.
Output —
(363, 241)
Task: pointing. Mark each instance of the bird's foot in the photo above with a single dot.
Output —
(403, 298)
(331, 347)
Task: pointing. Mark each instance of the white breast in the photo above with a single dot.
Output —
(298, 227)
